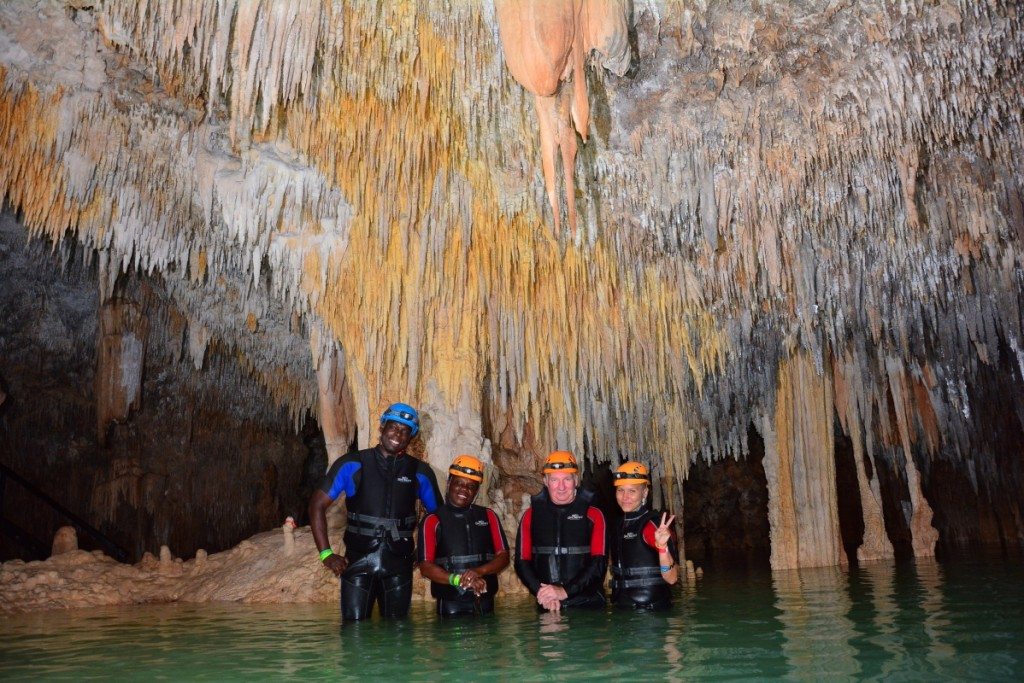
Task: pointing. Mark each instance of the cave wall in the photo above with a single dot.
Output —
(979, 500)
(372, 215)
(193, 467)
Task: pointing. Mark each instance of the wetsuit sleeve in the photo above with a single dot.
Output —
(426, 543)
(498, 539)
(649, 530)
(428, 491)
(593, 571)
(341, 477)
(524, 554)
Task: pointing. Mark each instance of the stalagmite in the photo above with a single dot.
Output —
(848, 399)
(924, 535)
(673, 502)
(288, 528)
(64, 541)
(800, 467)
(919, 519)
(876, 544)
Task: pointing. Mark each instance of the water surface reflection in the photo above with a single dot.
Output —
(878, 621)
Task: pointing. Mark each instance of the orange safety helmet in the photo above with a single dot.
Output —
(468, 467)
(560, 461)
(632, 472)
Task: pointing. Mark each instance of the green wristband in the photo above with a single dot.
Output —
(454, 579)
(325, 553)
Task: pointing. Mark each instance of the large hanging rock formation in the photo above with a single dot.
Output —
(547, 42)
(791, 215)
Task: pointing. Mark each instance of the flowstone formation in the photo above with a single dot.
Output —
(257, 570)
(804, 217)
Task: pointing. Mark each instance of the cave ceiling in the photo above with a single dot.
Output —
(834, 180)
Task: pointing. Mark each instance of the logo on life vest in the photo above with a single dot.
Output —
(404, 479)
(629, 534)
(574, 517)
(481, 522)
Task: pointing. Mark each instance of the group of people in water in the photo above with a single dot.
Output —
(563, 545)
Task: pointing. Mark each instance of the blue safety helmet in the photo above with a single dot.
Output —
(404, 413)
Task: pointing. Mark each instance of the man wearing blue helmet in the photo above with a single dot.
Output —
(381, 486)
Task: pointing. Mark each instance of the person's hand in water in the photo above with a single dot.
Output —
(550, 597)
(473, 581)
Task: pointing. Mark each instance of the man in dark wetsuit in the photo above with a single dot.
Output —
(560, 547)
(643, 553)
(381, 486)
(461, 546)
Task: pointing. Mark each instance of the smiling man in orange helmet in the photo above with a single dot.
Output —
(642, 549)
(462, 547)
(560, 547)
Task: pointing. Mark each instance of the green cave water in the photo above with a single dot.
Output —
(923, 621)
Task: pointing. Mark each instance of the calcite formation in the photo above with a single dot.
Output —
(255, 571)
(788, 215)
(547, 42)
(119, 362)
(273, 567)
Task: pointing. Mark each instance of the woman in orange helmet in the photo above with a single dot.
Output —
(643, 553)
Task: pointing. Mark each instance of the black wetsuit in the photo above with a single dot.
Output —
(563, 545)
(380, 497)
(457, 539)
(636, 570)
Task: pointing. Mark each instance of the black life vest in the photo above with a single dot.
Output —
(560, 535)
(383, 509)
(635, 566)
(463, 541)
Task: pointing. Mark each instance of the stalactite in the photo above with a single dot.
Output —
(546, 42)
(334, 401)
(813, 175)
(121, 351)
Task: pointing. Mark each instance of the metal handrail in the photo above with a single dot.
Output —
(108, 545)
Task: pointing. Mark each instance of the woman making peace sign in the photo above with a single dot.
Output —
(643, 554)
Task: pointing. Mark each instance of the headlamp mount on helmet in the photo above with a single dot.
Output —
(560, 461)
(467, 466)
(403, 414)
(632, 472)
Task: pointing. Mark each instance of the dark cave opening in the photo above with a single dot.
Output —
(726, 512)
(848, 503)
(205, 461)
